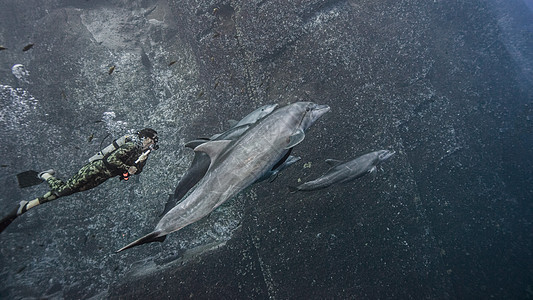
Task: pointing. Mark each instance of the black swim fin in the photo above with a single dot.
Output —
(151, 237)
(28, 178)
(8, 219)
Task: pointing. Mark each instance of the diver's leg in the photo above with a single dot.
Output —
(96, 180)
(44, 175)
(88, 177)
(55, 185)
(23, 207)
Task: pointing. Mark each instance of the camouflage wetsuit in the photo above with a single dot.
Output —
(95, 173)
(115, 163)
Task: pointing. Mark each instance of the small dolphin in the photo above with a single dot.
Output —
(200, 162)
(250, 118)
(347, 171)
(257, 114)
(237, 164)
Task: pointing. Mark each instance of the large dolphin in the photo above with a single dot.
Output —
(347, 171)
(200, 162)
(237, 164)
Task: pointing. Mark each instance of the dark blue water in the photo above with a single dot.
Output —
(446, 84)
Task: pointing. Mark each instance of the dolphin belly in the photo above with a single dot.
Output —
(321, 182)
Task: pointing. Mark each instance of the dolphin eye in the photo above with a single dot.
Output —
(307, 109)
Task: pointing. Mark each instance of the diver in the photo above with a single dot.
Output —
(124, 157)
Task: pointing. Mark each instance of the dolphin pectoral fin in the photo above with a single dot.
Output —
(373, 172)
(296, 138)
(151, 237)
(273, 177)
(213, 148)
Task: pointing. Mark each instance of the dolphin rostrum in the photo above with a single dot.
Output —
(236, 164)
(200, 162)
(347, 171)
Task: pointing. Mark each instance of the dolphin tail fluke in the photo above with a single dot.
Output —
(151, 237)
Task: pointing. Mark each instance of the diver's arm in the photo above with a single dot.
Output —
(117, 158)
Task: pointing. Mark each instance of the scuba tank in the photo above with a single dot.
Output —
(112, 147)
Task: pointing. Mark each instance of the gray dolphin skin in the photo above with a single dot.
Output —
(347, 171)
(272, 174)
(200, 162)
(257, 114)
(249, 119)
(237, 164)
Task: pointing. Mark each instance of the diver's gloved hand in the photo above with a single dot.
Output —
(132, 170)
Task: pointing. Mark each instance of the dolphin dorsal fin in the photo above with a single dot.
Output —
(296, 138)
(213, 148)
(195, 143)
(334, 162)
